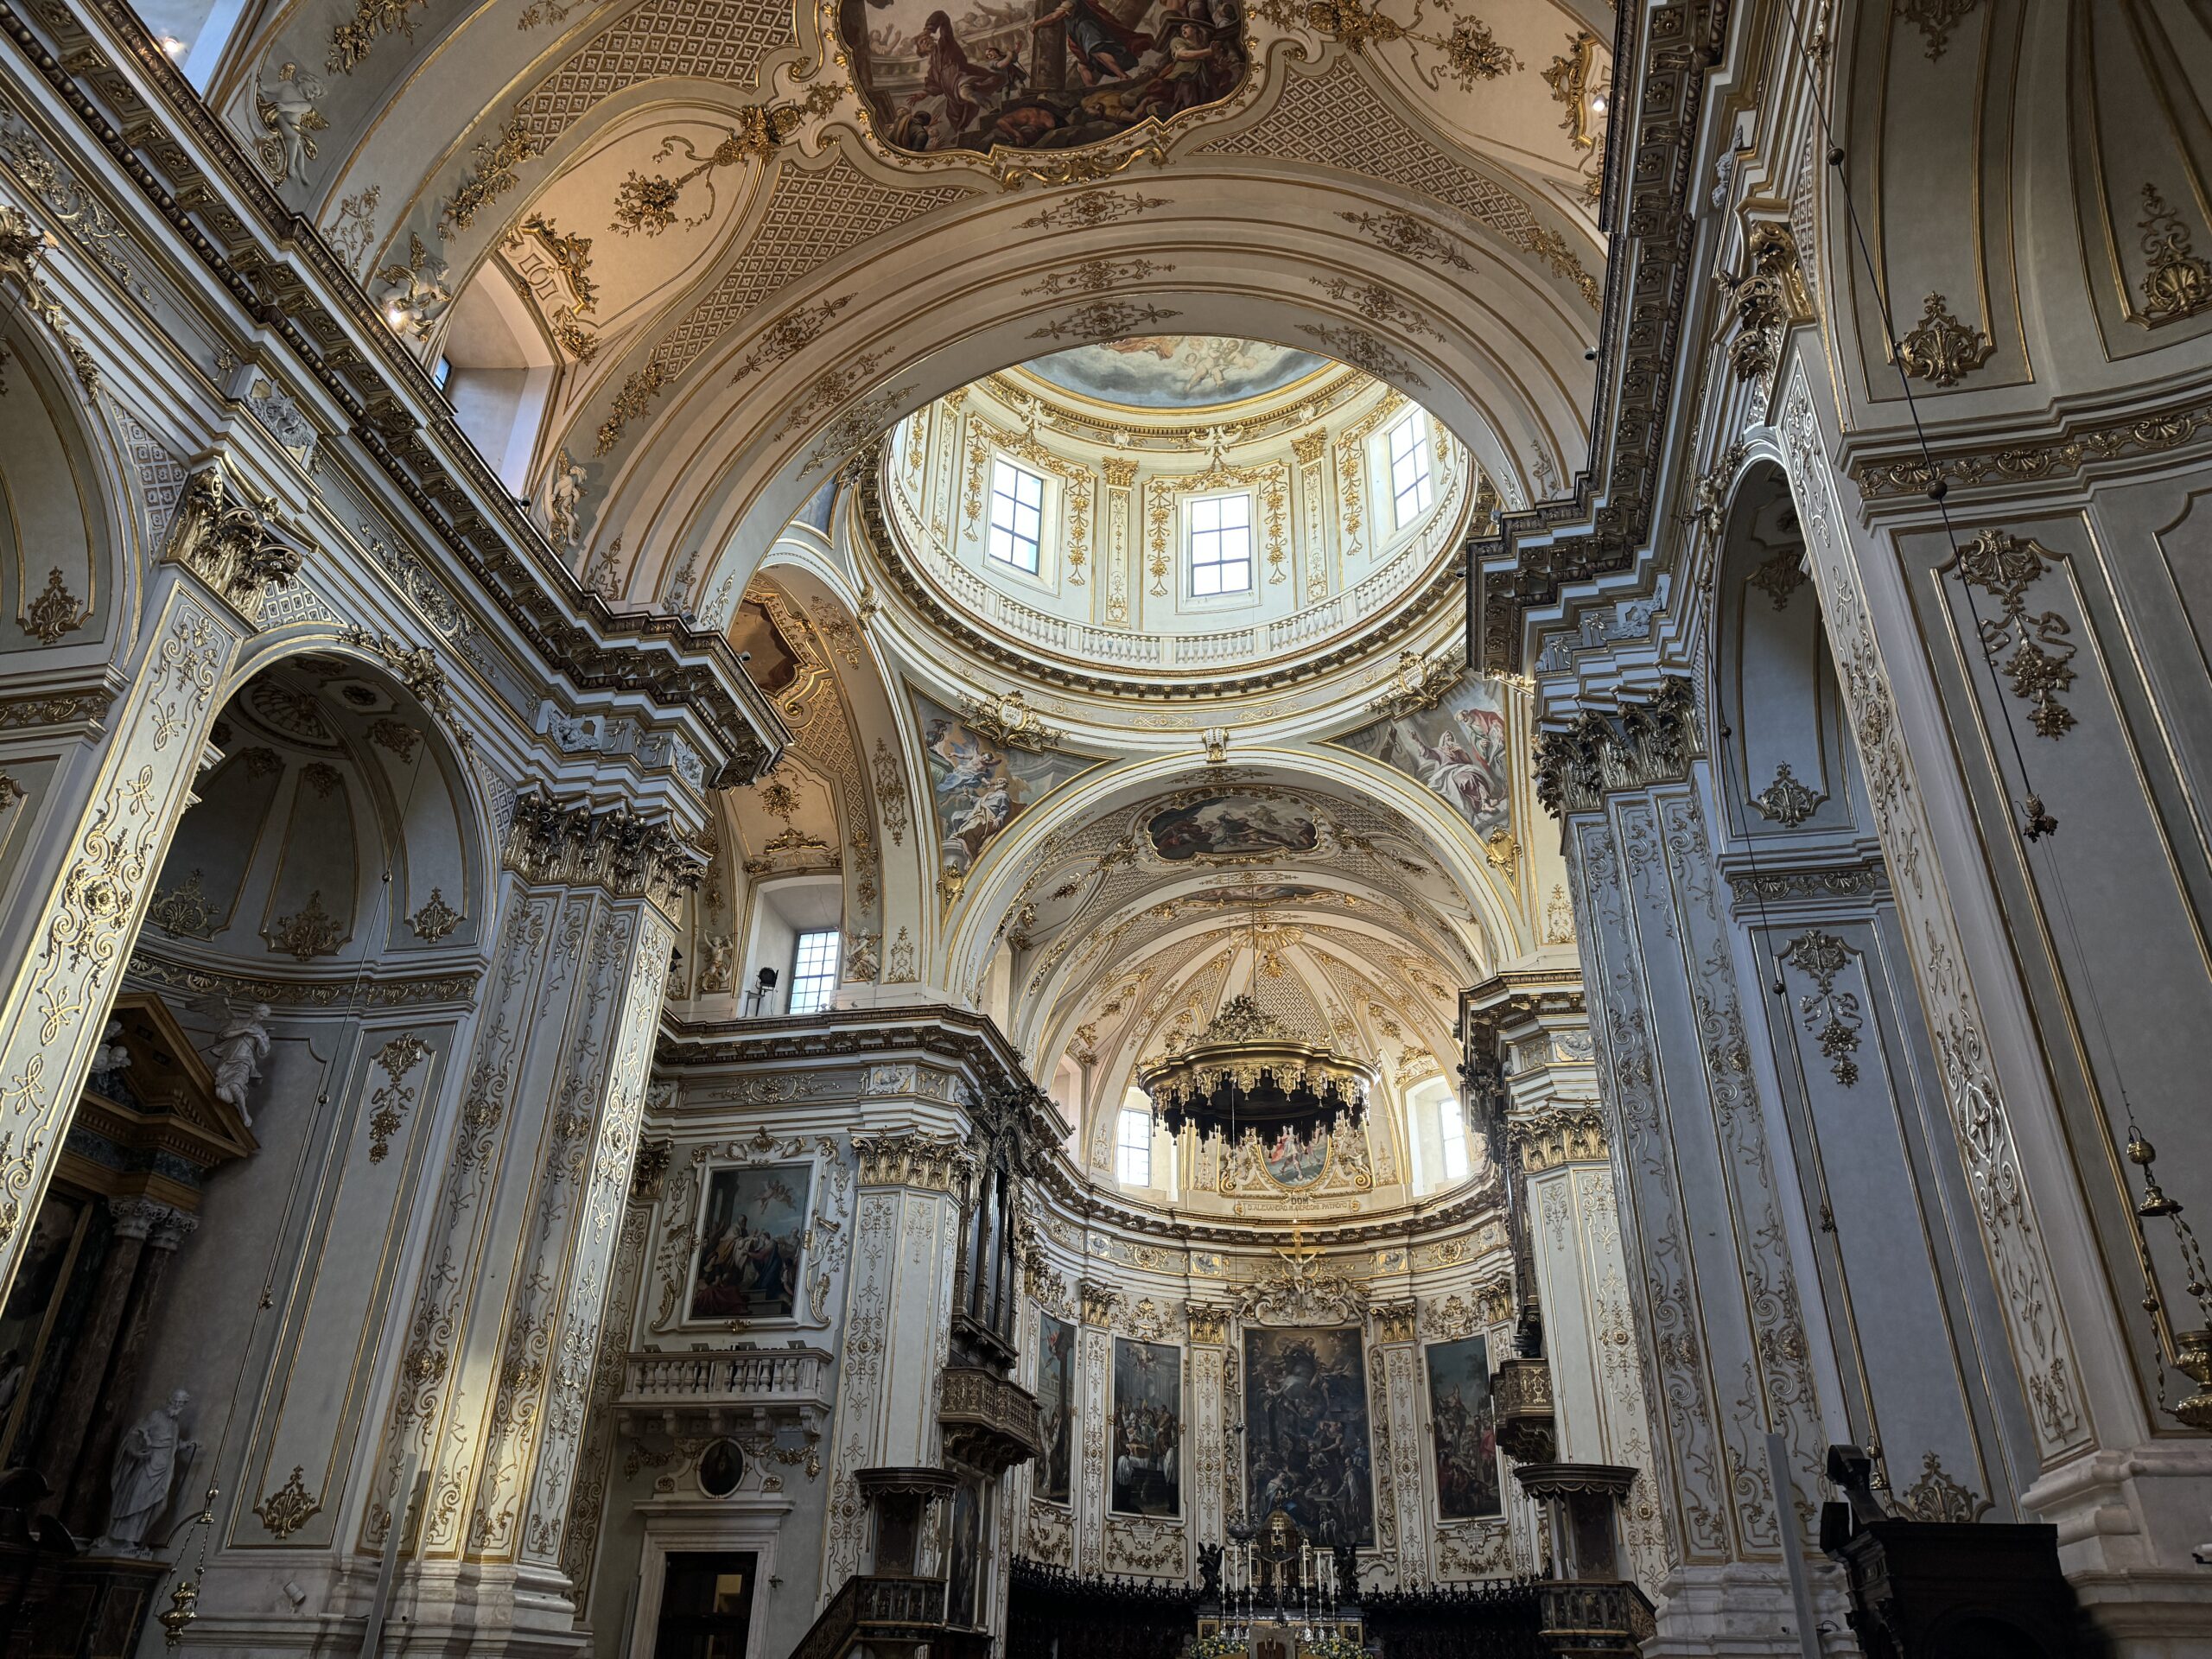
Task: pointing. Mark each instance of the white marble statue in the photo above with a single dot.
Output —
(565, 497)
(239, 1049)
(110, 1057)
(146, 1464)
(290, 119)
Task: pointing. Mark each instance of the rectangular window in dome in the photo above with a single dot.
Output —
(1134, 1147)
(814, 971)
(1412, 490)
(1017, 515)
(1221, 546)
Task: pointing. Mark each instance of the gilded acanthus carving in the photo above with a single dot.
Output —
(1938, 1497)
(1786, 801)
(22, 246)
(1416, 684)
(1940, 348)
(1556, 1136)
(291, 1507)
(1651, 742)
(1394, 1321)
(2178, 281)
(574, 846)
(2039, 666)
(1302, 1290)
(1098, 1301)
(1208, 1322)
(936, 1163)
(1833, 1016)
(1765, 300)
(221, 534)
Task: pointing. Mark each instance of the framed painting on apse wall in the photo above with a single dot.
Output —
(1055, 1406)
(1147, 1427)
(751, 1233)
(1463, 1427)
(1305, 1435)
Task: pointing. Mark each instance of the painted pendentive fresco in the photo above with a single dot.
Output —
(1052, 74)
(978, 787)
(1296, 1161)
(1055, 1406)
(1306, 1434)
(1147, 1427)
(1232, 826)
(747, 1265)
(1175, 371)
(1466, 1429)
(1457, 748)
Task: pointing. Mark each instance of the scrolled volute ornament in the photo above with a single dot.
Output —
(222, 534)
(614, 849)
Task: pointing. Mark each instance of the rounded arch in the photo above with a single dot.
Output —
(1261, 252)
(74, 514)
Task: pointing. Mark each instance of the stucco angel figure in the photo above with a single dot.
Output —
(146, 1465)
(240, 1048)
(561, 501)
(290, 117)
(110, 1057)
(415, 295)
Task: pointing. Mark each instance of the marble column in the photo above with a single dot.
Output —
(80, 1401)
(163, 1234)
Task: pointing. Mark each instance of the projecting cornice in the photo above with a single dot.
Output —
(1649, 207)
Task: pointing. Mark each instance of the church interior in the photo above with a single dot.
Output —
(1105, 829)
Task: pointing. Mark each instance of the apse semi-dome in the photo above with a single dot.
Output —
(1178, 512)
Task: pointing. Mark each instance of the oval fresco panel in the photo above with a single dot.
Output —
(1232, 826)
(1048, 75)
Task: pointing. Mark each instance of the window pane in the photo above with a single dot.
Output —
(1136, 1147)
(1412, 490)
(814, 971)
(1221, 546)
(1017, 519)
(1455, 1137)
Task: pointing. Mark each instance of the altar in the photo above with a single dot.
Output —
(1272, 1592)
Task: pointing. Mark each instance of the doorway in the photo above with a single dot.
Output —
(706, 1606)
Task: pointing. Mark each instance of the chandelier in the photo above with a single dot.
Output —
(1247, 1071)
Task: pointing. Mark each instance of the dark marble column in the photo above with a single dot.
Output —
(87, 1508)
(71, 1417)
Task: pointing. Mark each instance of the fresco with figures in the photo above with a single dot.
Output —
(1306, 1434)
(1050, 74)
(1457, 748)
(1175, 371)
(978, 787)
(1147, 1427)
(1232, 826)
(1464, 1428)
(1056, 1406)
(750, 1235)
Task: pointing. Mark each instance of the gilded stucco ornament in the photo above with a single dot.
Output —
(22, 249)
(2179, 283)
(1940, 348)
(574, 846)
(221, 533)
(1936, 19)
(1937, 1496)
(291, 1507)
(2038, 667)
(1409, 237)
(54, 613)
(1779, 577)
(1650, 740)
(1786, 801)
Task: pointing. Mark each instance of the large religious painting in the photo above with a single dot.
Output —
(1036, 75)
(1457, 748)
(1147, 1427)
(1306, 1449)
(978, 787)
(1175, 371)
(1464, 1428)
(1055, 1406)
(750, 1234)
(1232, 826)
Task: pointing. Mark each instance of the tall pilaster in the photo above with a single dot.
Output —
(1706, 1197)
(914, 1186)
(104, 773)
(496, 1364)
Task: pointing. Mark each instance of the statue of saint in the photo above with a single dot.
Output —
(240, 1050)
(145, 1468)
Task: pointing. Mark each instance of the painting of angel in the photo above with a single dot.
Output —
(1050, 74)
(1458, 749)
(1147, 1427)
(978, 787)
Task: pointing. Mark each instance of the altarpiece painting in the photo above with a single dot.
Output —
(1056, 1406)
(1147, 1427)
(751, 1235)
(1307, 1450)
(1465, 1429)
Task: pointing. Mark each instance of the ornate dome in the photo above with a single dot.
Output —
(1182, 515)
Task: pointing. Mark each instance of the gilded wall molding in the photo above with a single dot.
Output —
(1556, 1136)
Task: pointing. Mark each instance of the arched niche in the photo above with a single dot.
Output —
(1786, 758)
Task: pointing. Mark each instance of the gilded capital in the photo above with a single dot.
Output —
(222, 534)
(1394, 1321)
(1557, 1136)
(1209, 1321)
(935, 1163)
(575, 846)
(1098, 1300)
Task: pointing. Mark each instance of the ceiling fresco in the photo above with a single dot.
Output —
(1036, 77)
(1182, 371)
